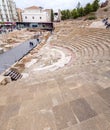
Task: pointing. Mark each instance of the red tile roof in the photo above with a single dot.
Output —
(33, 7)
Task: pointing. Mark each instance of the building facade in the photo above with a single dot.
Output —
(8, 12)
(19, 13)
(57, 16)
(36, 14)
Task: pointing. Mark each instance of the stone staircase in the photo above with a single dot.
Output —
(91, 48)
(90, 44)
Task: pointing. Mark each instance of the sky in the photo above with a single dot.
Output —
(52, 4)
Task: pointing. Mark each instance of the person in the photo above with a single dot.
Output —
(108, 26)
(37, 39)
(105, 21)
(31, 43)
(51, 31)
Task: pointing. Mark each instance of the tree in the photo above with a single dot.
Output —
(68, 14)
(95, 5)
(80, 11)
(78, 5)
(88, 9)
(74, 14)
(63, 14)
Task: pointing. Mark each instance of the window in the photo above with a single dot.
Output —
(40, 17)
(33, 17)
(34, 26)
(25, 17)
(55, 14)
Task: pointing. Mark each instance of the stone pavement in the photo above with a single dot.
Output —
(75, 96)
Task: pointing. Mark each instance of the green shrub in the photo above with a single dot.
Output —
(92, 17)
(91, 13)
(106, 9)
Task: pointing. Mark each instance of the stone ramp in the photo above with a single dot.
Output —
(8, 58)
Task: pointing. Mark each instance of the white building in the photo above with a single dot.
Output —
(8, 11)
(36, 14)
(57, 16)
(19, 13)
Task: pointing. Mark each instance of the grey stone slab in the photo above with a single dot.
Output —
(89, 125)
(56, 97)
(41, 102)
(94, 87)
(85, 125)
(44, 120)
(75, 94)
(3, 126)
(107, 73)
(75, 127)
(10, 111)
(102, 123)
(107, 115)
(82, 109)
(84, 91)
(97, 103)
(7, 112)
(67, 94)
(105, 94)
(1, 110)
(36, 121)
(3, 100)
(13, 99)
(96, 123)
(104, 82)
(63, 116)
(20, 123)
